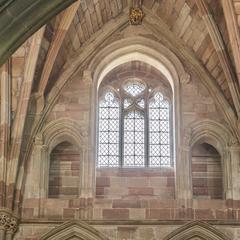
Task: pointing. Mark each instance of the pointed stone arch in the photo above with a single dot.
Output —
(218, 135)
(62, 129)
(74, 230)
(197, 230)
(51, 135)
(221, 138)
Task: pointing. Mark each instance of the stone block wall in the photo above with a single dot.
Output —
(64, 171)
(207, 176)
(127, 183)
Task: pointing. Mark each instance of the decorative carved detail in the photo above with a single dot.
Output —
(185, 78)
(74, 230)
(8, 221)
(196, 230)
(136, 16)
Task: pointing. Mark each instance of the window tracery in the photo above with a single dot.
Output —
(134, 127)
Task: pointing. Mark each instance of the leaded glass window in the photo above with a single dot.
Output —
(134, 153)
(135, 128)
(108, 147)
(159, 132)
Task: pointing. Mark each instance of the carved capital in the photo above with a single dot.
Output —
(235, 147)
(8, 221)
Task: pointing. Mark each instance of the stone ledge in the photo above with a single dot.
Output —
(129, 222)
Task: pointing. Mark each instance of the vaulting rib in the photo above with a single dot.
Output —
(64, 25)
(223, 57)
(19, 120)
(233, 32)
(20, 19)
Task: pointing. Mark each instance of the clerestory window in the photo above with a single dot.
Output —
(134, 127)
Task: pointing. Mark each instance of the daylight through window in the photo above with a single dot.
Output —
(134, 127)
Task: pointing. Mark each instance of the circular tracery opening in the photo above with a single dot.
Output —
(134, 87)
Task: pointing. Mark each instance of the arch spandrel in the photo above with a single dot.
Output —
(196, 230)
(74, 230)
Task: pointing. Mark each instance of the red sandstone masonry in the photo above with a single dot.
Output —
(126, 183)
(103, 182)
(159, 214)
(69, 213)
(204, 214)
(113, 214)
(118, 203)
(140, 191)
(183, 213)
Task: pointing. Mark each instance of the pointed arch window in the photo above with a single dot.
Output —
(134, 128)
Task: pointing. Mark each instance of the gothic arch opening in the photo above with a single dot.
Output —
(64, 171)
(207, 173)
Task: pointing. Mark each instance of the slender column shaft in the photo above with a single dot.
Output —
(4, 127)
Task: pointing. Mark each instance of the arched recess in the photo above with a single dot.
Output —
(196, 230)
(147, 51)
(74, 230)
(206, 171)
(64, 171)
(55, 133)
(218, 136)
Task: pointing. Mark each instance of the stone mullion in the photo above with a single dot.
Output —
(4, 127)
(19, 121)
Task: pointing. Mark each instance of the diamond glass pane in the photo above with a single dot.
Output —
(108, 134)
(134, 150)
(134, 88)
(159, 132)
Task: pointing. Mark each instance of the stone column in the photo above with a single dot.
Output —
(183, 174)
(232, 170)
(87, 186)
(5, 123)
(8, 224)
(2, 233)
(88, 167)
(38, 186)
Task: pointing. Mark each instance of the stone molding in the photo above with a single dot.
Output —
(196, 229)
(73, 229)
(146, 222)
(8, 221)
(209, 129)
(63, 128)
(54, 133)
(138, 48)
(220, 137)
